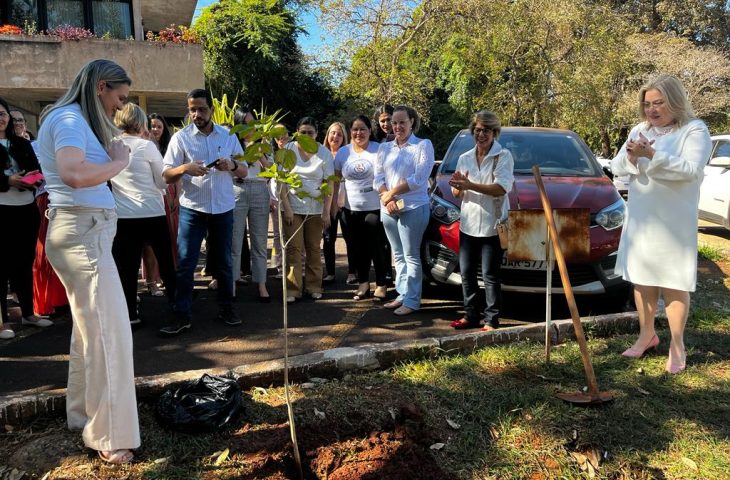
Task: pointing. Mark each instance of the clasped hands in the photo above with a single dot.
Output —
(641, 147)
(460, 181)
(388, 199)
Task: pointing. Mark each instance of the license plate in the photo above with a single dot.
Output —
(524, 264)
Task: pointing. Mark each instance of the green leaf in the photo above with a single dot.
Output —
(302, 194)
(325, 189)
(307, 143)
(280, 156)
(290, 160)
(222, 457)
(333, 178)
(242, 130)
(277, 132)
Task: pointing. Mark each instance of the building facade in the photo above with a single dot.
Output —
(37, 69)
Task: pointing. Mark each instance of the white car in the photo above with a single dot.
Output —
(621, 183)
(715, 190)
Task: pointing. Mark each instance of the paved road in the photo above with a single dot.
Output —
(37, 360)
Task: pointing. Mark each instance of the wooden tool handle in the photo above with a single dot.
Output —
(567, 288)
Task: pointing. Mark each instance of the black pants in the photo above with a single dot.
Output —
(17, 244)
(132, 235)
(472, 251)
(210, 267)
(364, 247)
(328, 245)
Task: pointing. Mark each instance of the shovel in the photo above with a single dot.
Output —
(593, 396)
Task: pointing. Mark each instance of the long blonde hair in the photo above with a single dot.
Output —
(83, 91)
(675, 96)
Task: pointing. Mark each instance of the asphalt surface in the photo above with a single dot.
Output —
(37, 359)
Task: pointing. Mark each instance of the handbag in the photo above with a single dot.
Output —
(502, 226)
(503, 232)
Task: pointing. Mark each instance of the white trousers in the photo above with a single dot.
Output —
(100, 398)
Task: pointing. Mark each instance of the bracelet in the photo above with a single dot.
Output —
(235, 165)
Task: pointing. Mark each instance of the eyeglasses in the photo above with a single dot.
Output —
(18, 120)
(4, 114)
(655, 104)
(479, 131)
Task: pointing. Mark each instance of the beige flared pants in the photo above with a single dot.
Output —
(100, 398)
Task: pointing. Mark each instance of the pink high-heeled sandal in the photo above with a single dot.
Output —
(638, 352)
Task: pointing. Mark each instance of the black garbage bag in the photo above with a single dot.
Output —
(208, 404)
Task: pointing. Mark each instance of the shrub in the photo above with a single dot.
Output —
(173, 34)
(67, 32)
(10, 30)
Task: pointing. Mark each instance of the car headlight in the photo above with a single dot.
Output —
(443, 211)
(612, 217)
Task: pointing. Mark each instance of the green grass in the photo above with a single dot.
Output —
(710, 253)
(510, 424)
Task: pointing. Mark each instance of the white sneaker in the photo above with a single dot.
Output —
(36, 322)
(316, 295)
(6, 334)
(213, 285)
(291, 299)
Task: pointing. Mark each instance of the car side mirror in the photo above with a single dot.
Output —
(608, 172)
(723, 162)
(435, 168)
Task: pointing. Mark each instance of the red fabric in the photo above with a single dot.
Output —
(48, 291)
(173, 216)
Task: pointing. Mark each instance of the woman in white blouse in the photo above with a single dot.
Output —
(483, 178)
(138, 193)
(306, 213)
(664, 156)
(402, 169)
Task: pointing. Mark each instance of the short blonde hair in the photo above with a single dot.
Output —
(674, 95)
(131, 119)
(488, 119)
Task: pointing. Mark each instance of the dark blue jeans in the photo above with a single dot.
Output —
(486, 250)
(191, 231)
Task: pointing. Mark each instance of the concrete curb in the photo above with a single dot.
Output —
(17, 410)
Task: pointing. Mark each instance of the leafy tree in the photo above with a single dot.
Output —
(561, 63)
(250, 51)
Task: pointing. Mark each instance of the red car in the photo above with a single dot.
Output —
(573, 179)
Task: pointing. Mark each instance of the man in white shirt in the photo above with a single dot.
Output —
(201, 155)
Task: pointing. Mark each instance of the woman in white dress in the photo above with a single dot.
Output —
(664, 156)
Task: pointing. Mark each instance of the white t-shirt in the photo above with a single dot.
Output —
(67, 127)
(14, 197)
(312, 173)
(358, 172)
(138, 188)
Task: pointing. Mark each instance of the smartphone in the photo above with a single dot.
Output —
(32, 179)
(213, 164)
(400, 203)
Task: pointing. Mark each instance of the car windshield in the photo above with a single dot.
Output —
(557, 153)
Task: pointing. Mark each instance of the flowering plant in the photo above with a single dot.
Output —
(10, 30)
(173, 34)
(67, 32)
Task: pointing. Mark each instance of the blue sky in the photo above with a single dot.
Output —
(309, 43)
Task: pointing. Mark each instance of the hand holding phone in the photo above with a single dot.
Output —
(213, 163)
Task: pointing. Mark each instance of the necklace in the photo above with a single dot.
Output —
(661, 131)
